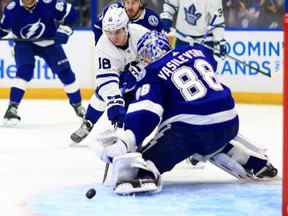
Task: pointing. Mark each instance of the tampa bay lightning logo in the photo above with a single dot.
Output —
(33, 30)
(153, 20)
(191, 15)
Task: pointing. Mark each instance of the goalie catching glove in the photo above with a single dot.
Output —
(113, 143)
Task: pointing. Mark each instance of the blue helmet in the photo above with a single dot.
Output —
(152, 46)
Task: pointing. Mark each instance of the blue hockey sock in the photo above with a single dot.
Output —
(75, 97)
(92, 114)
(16, 95)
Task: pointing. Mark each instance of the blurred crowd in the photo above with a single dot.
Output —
(238, 13)
(254, 13)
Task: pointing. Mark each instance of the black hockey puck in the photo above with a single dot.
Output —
(91, 193)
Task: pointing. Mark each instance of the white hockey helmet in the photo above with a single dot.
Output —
(114, 19)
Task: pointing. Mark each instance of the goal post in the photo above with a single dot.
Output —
(285, 121)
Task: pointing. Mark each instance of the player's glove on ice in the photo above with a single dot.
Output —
(62, 35)
(116, 110)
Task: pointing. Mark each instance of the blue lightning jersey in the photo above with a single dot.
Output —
(148, 19)
(180, 87)
(39, 22)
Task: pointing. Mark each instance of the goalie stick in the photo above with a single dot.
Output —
(26, 40)
(115, 127)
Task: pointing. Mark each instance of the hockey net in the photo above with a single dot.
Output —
(285, 127)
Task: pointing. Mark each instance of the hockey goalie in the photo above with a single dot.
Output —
(194, 114)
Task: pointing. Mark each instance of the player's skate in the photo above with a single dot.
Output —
(82, 132)
(11, 117)
(131, 175)
(79, 110)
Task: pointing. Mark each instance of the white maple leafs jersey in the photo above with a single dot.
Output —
(196, 18)
(111, 60)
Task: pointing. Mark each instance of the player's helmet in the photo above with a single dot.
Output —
(152, 46)
(114, 19)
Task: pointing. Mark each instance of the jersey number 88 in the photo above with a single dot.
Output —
(188, 83)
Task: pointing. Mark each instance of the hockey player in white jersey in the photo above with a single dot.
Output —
(115, 49)
(197, 21)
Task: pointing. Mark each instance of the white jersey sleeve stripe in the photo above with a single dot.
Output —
(194, 119)
(146, 105)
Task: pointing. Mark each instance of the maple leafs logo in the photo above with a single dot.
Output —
(191, 15)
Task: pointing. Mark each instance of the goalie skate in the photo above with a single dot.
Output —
(11, 118)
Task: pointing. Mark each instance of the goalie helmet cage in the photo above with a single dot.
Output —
(285, 118)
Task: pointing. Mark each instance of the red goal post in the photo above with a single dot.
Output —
(285, 125)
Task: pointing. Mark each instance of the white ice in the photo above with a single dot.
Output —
(37, 161)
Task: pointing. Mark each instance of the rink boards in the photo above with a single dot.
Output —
(260, 49)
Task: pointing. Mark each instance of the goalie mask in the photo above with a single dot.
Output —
(152, 46)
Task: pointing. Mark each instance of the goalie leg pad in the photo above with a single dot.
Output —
(253, 160)
(242, 162)
(229, 165)
(125, 175)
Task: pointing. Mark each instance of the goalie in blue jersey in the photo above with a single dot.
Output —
(40, 27)
(193, 113)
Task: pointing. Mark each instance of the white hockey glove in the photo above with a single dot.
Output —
(62, 35)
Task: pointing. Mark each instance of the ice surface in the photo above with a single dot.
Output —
(40, 174)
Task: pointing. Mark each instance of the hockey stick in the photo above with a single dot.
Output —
(191, 41)
(115, 127)
(107, 164)
(105, 172)
(26, 40)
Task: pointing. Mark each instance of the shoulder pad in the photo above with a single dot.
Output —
(11, 5)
